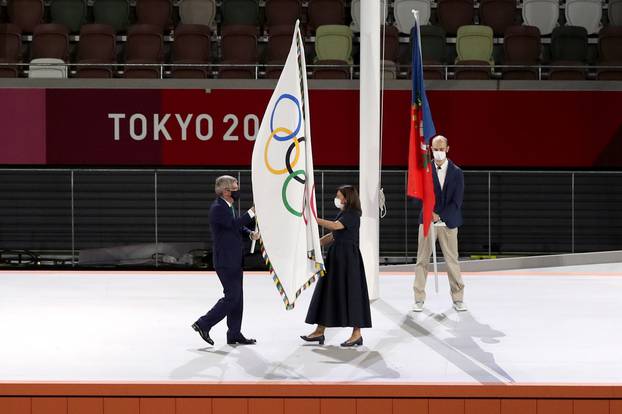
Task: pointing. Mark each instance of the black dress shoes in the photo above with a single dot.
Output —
(348, 344)
(319, 338)
(241, 340)
(204, 334)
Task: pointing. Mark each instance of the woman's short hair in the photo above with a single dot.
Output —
(353, 201)
(223, 182)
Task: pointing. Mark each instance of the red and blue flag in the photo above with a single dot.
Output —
(420, 182)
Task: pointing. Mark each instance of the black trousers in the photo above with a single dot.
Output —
(230, 306)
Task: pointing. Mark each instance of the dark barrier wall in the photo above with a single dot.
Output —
(216, 127)
(71, 212)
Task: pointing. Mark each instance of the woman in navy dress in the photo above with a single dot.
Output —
(340, 298)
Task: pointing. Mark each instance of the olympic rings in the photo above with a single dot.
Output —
(313, 208)
(295, 132)
(288, 166)
(298, 175)
(284, 192)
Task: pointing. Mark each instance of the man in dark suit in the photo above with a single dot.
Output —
(227, 231)
(447, 217)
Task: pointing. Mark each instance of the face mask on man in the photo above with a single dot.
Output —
(439, 155)
(338, 203)
(235, 195)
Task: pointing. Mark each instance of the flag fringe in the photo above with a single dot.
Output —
(289, 304)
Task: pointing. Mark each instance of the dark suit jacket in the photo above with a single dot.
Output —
(227, 232)
(448, 200)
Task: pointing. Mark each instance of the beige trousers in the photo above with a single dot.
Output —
(448, 239)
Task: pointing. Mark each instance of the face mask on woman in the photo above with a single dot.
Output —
(338, 203)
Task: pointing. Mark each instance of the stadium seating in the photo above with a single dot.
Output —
(144, 46)
(453, 14)
(155, 12)
(521, 46)
(390, 52)
(279, 43)
(474, 48)
(615, 12)
(11, 52)
(197, 12)
(97, 45)
(568, 48)
(253, 33)
(50, 40)
(584, 13)
(192, 45)
(498, 14)
(404, 18)
(541, 13)
(71, 13)
(239, 47)
(49, 68)
(433, 51)
(115, 13)
(333, 46)
(610, 52)
(240, 12)
(325, 12)
(26, 14)
(281, 13)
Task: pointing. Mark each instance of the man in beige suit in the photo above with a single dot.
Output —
(447, 217)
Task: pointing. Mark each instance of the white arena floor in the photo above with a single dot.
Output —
(544, 326)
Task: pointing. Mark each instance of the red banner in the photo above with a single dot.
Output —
(151, 127)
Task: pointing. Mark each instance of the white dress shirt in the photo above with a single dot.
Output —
(250, 212)
(441, 172)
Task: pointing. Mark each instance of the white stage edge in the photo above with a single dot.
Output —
(544, 326)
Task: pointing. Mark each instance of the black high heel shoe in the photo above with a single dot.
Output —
(348, 344)
(319, 338)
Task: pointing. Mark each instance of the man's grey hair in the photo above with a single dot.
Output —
(441, 138)
(222, 182)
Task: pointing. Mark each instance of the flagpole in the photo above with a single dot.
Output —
(369, 148)
(433, 243)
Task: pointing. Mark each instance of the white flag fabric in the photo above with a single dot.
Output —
(283, 183)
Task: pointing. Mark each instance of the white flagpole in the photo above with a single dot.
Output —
(369, 154)
(433, 242)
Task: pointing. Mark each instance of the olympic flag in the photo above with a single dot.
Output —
(283, 184)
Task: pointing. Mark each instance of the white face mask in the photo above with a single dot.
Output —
(439, 155)
(338, 203)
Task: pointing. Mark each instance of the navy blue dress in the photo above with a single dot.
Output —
(340, 298)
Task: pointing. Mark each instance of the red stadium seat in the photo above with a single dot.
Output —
(279, 43)
(26, 14)
(282, 13)
(144, 45)
(192, 45)
(521, 46)
(50, 40)
(455, 13)
(498, 14)
(11, 50)
(97, 45)
(610, 52)
(324, 12)
(155, 12)
(239, 47)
